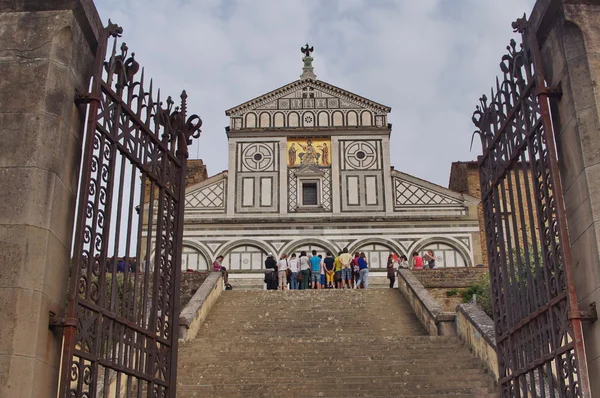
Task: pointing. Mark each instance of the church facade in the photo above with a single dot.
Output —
(309, 168)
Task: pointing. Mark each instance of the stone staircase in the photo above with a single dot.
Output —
(324, 343)
(255, 280)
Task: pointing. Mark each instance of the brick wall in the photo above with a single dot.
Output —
(449, 277)
(464, 178)
(196, 172)
(190, 282)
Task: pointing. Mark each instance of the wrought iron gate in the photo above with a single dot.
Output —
(121, 326)
(538, 324)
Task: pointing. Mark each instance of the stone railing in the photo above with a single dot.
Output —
(469, 322)
(476, 329)
(437, 321)
(195, 312)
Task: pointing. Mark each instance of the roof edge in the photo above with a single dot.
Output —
(307, 81)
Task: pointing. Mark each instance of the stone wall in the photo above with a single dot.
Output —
(190, 282)
(569, 40)
(440, 295)
(436, 321)
(449, 277)
(47, 53)
(197, 309)
(464, 178)
(476, 329)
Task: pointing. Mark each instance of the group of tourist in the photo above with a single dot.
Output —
(329, 272)
(316, 271)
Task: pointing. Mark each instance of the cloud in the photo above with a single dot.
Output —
(429, 60)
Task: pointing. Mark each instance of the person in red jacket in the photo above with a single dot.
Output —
(218, 267)
(417, 261)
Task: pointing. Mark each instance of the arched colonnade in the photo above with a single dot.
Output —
(247, 255)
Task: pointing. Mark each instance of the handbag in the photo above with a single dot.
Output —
(299, 276)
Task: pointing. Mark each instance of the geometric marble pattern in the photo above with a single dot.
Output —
(211, 197)
(406, 193)
(360, 155)
(257, 156)
(326, 202)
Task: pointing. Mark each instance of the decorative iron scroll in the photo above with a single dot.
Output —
(123, 302)
(540, 350)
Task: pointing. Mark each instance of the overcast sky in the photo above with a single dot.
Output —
(429, 60)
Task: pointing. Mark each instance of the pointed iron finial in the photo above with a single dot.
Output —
(307, 70)
(520, 25)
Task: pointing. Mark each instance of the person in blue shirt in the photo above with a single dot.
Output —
(315, 266)
(363, 271)
(121, 265)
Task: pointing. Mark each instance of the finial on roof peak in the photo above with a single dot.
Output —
(307, 70)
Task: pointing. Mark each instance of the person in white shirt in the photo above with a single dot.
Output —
(282, 265)
(293, 266)
(304, 269)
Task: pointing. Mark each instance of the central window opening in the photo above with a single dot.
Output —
(309, 194)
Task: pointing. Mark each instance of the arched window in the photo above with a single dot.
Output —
(245, 258)
(377, 254)
(366, 118)
(250, 120)
(308, 119)
(352, 118)
(446, 255)
(293, 120)
(323, 119)
(308, 248)
(192, 259)
(338, 118)
(278, 120)
(265, 120)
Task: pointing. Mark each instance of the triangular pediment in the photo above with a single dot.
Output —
(208, 195)
(319, 89)
(412, 191)
(309, 170)
(308, 103)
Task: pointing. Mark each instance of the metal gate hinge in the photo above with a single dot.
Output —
(61, 322)
(590, 315)
(551, 92)
(85, 98)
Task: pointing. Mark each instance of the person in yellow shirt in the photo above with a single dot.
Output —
(346, 260)
(337, 266)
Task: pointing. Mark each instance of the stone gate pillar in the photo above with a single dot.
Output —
(46, 53)
(568, 32)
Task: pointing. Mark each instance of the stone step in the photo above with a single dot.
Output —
(324, 343)
(347, 382)
(321, 394)
(262, 340)
(398, 369)
(328, 387)
(408, 372)
(329, 349)
(312, 365)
